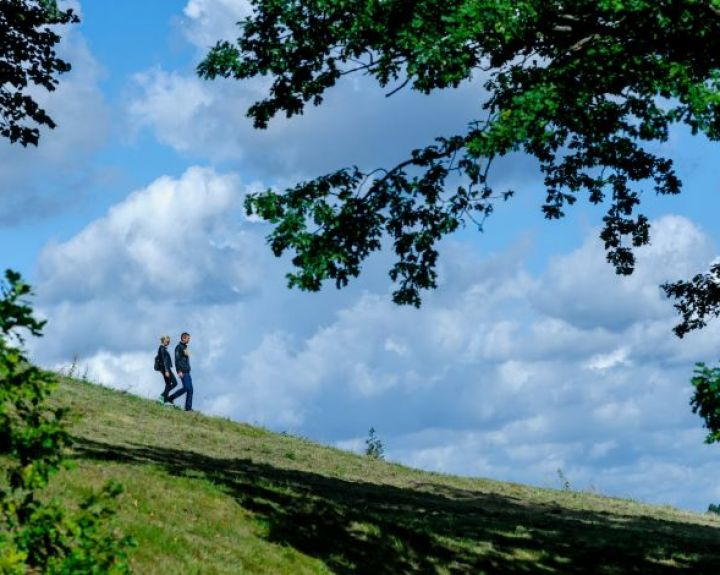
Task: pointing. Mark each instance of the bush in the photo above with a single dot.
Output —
(37, 535)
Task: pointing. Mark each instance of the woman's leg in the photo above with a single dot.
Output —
(170, 383)
(180, 391)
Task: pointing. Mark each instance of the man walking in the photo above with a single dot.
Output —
(182, 366)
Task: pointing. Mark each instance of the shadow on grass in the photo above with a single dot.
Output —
(363, 528)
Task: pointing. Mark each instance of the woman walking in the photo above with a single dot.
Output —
(164, 362)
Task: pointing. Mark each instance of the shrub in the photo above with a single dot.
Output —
(37, 535)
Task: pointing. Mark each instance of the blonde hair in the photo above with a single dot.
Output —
(165, 338)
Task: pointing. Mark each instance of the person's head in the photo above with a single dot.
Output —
(185, 337)
(165, 340)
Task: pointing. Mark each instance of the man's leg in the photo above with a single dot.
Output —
(180, 391)
(187, 384)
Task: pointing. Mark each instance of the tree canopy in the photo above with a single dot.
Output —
(27, 58)
(588, 88)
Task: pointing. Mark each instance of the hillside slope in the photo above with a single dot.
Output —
(207, 495)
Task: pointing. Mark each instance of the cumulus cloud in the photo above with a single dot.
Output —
(576, 285)
(502, 373)
(355, 125)
(170, 239)
(209, 21)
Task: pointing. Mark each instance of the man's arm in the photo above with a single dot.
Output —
(178, 357)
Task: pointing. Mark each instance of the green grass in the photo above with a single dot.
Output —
(207, 495)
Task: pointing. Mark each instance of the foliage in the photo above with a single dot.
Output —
(374, 447)
(712, 508)
(588, 88)
(27, 58)
(706, 399)
(698, 299)
(37, 534)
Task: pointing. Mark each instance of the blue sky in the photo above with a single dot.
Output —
(532, 356)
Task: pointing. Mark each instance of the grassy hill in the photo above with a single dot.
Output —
(207, 495)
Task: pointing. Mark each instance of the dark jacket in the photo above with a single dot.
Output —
(182, 361)
(165, 358)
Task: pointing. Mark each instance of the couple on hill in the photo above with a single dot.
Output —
(163, 364)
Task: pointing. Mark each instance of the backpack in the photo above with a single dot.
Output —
(158, 363)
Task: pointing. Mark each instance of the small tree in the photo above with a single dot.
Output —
(374, 448)
(37, 535)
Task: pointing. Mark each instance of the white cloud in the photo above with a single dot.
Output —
(124, 371)
(581, 288)
(171, 100)
(604, 361)
(355, 125)
(209, 21)
(171, 239)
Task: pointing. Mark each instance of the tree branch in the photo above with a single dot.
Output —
(400, 87)
(580, 43)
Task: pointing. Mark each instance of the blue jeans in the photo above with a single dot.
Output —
(187, 389)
